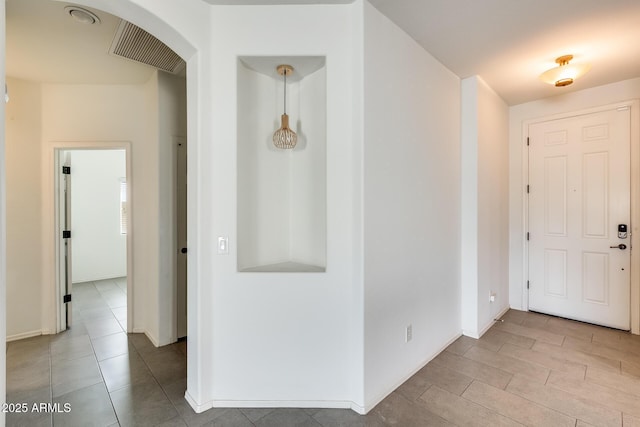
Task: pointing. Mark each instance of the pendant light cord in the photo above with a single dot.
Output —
(285, 91)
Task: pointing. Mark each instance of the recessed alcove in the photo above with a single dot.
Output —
(282, 200)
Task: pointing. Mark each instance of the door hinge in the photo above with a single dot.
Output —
(527, 284)
(66, 298)
(527, 141)
(66, 170)
(528, 189)
(66, 234)
(528, 235)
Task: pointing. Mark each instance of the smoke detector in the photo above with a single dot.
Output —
(82, 15)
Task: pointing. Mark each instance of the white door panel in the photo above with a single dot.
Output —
(181, 217)
(579, 177)
(64, 244)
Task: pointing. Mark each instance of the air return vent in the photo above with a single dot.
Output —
(136, 44)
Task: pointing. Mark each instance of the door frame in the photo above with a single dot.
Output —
(634, 105)
(63, 249)
(54, 154)
(180, 141)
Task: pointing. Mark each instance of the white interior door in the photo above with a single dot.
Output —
(181, 219)
(579, 194)
(64, 239)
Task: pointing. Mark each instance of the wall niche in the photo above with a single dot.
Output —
(282, 196)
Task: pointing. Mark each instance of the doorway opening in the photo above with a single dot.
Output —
(119, 99)
(155, 282)
(92, 209)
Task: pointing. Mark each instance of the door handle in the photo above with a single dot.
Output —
(183, 250)
(621, 246)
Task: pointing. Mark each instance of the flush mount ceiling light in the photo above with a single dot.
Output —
(564, 74)
(82, 15)
(284, 137)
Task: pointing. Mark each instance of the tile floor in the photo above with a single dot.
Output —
(530, 369)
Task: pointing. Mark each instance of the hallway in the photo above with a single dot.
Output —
(531, 369)
(106, 376)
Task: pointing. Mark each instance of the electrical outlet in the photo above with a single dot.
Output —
(408, 334)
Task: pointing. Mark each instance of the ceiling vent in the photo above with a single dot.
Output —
(136, 44)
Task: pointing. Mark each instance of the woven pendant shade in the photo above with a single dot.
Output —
(284, 137)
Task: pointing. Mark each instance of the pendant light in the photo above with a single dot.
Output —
(564, 74)
(284, 137)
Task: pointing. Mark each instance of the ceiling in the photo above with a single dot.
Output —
(45, 44)
(508, 43)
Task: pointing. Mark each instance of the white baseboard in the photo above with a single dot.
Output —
(470, 334)
(154, 341)
(486, 327)
(24, 335)
(197, 407)
(100, 278)
(369, 406)
(151, 338)
(499, 315)
(328, 404)
(338, 404)
(361, 410)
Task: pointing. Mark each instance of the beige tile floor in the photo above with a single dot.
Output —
(530, 369)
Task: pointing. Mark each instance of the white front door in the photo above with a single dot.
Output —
(579, 197)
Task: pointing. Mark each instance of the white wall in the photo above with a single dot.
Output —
(99, 250)
(484, 227)
(469, 206)
(309, 173)
(493, 206)
(280, 339)
(307, 330)
(3, 229)
(574, 101)
(24, 229)
(172, 123)
(411, 205)
(52, 116)
(147, 288)
(73, 116)
(148, 116)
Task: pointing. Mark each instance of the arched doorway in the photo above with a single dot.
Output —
(163, 30)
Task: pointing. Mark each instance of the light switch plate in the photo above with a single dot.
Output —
(223, 245)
